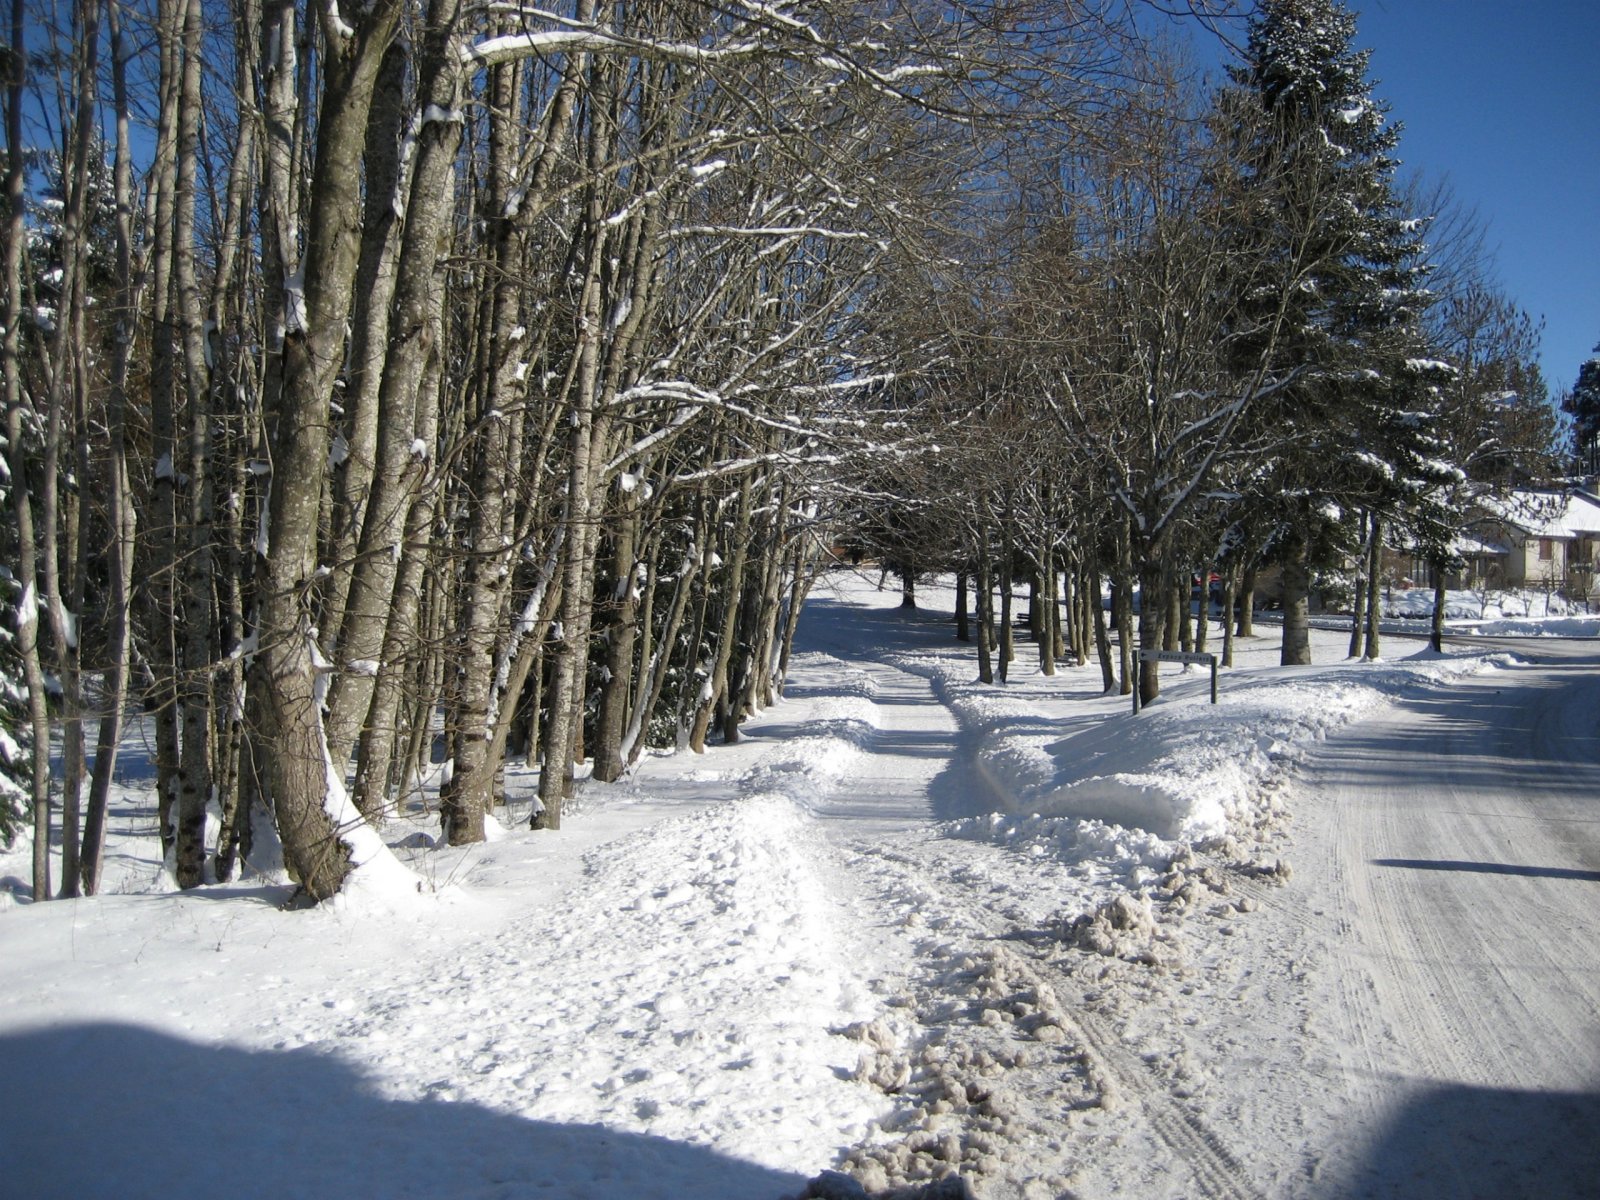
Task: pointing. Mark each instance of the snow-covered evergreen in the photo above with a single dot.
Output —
(16, 755)
(1583, 406)
(1366, 392)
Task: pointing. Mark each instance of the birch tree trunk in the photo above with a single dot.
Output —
(16, 63)
(398, 469)
(317, 305)
(194, 690)
(716, 696)
(620, 632)
(120, 512)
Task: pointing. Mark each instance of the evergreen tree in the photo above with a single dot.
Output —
(1352, 427)
(1582, 404)
(16, 737)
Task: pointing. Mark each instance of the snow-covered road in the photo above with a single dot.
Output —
(908, 925)
(1455, 847)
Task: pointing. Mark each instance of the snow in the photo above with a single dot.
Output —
(1514, 611)
(294, 300)
(908, 925)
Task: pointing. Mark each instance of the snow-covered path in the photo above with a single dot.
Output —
(907, 925)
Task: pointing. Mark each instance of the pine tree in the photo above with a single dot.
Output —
(1582, 404)
(1353, 425)
(16, 755)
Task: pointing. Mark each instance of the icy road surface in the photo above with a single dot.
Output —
(1335, 936)
(1450, 859)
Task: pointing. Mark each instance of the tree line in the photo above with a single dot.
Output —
(1218, 337)
(413, 374)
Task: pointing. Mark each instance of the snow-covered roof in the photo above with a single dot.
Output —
(1547, 514)
(1467, 544)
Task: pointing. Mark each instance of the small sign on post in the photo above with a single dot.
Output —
(1176, 656)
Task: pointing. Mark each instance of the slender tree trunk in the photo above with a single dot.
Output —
(1247, 603)
(195, 687)
(571, 649)
(1436, 626)
(1008, 649)
(1127, 639)
(1229, 590)
(1102, 638)
(1044, 613)
(963, 620)
(661, 661)
(1374, 649)
(379, 738)
(360, 472)
(985, 614)
(16, 61)
(1358, 614)
(728, 627)
(621, 633)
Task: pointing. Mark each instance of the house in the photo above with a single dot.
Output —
(1537, 538)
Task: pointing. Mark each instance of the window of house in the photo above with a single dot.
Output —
(1547, 549)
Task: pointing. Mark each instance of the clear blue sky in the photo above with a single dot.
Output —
(1502, 97)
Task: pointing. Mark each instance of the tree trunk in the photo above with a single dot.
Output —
(360, 473)
(195, 687)
(1229, 590)
(398, 468)
(985, 615)
(1122, 610)
(1008, 649)
(963, 620)
(621, 632)
(22, 501)
(377, 750)
(1154, 629)
(1102, 640)
(732, 598)
(317, 302)
(1296, 602)
(571, 648)
(1436, 626)
(120, 511)
(1374, 649)
(1247, 603)
(1358, 613)
(1044, 613)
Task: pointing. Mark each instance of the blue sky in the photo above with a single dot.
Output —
(1502, 97)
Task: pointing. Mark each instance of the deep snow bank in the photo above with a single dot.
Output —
(1122, 786)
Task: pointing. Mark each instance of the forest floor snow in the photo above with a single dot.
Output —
(907, 926)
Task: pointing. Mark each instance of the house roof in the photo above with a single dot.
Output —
(1548, 514)
(1470, 545)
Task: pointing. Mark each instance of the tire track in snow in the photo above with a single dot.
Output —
(1217, 1173)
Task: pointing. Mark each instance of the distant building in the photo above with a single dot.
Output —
(1533, 538)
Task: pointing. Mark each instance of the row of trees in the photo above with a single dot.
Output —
(387, 374)
(1219, 338)
(402, 374)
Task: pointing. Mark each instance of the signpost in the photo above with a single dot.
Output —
(1176, 656)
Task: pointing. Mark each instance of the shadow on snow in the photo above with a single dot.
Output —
(109, 1110)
